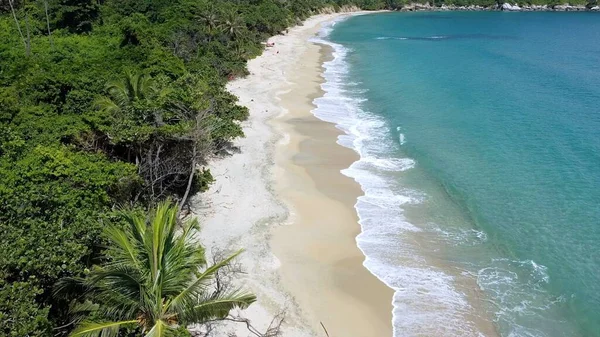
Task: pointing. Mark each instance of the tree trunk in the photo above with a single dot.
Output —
(12, 8)
(190, 180)
(28, 44)
(48, 24)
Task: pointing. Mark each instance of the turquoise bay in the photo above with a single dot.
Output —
(498, 116)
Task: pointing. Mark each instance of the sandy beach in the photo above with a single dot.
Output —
(283, 199)
(321, 264)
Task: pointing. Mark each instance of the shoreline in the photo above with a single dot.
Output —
(321, 262)
(284, 199)
(243, 209)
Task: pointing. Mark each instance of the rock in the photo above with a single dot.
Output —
(510, 8)
(568, 8)
(504, 7)
(417, 7)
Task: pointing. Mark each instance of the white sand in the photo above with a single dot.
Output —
(240, 208)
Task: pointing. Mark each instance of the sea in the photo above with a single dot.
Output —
(479, 143)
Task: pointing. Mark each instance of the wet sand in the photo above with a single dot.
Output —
(321, 265)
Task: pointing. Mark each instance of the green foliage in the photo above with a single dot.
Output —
(52, 199)
(203, 180)
(20, 314)
(75, 15)
(157, 279)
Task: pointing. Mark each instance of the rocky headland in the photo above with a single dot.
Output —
(413, 7)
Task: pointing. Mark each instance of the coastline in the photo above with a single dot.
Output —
(248, 205)
(506, 7)
(286, 203)
(321, 262)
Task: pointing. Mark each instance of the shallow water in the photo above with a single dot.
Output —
(479, 136)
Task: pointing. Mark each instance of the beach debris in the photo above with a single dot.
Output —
(323, 325)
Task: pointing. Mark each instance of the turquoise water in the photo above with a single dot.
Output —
(479, 136)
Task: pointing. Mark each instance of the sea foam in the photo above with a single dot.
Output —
(425, 301)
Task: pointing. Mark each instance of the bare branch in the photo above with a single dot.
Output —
(323, 325)
(273, 330)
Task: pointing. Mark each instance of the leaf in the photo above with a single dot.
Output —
(105, 329)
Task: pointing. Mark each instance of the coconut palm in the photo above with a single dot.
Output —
(155, 281)
(210, 20)
(134, 97)
(233, 25)
(132, 88)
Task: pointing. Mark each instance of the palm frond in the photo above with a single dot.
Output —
(129, 85)
(137, 225)
(142, 83)
(78, 311)
(104, 329)
(106, 104)
(198, 287)
(160, 329)
(119, 92)
(182, 261)
(69, 285)
(117, 279)
(124, 250)
(217, 307)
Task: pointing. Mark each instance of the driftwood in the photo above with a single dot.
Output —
(223, 282)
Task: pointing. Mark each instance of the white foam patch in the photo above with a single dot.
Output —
(390, 38)
(460, 237)
(517, 291)
(426, 303)
(390, 164)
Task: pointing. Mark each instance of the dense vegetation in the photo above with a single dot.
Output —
(112, 103)
(105, 104)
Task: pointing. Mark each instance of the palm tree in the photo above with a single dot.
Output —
(135, 97)
(210, 20)
(132, 88)
(153, 280)
(233, 25)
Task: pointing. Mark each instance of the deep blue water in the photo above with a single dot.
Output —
(480, 142)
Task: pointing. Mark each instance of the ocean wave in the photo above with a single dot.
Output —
(423, 294)
(460, 236)
(390, 164)
(517, 292)
(448, 37)
(391, 38)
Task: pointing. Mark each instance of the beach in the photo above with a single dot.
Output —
(282, 198)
